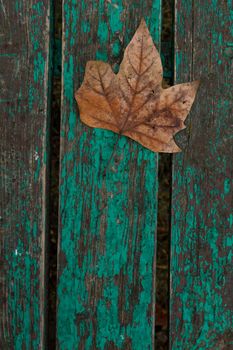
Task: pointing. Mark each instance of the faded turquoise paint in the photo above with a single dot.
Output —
(24, 220)
(201, 243)
(107, 233)
(22, 302)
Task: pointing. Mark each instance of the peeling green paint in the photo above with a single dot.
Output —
(107, 225)
(201, 249)
(23, 226)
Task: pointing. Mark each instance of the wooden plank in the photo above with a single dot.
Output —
(106, 289)
(24, 147)
(202, 219)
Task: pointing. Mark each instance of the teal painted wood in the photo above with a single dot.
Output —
(202, 218)
(106, 279)
(24, 148)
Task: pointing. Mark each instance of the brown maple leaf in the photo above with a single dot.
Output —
(133, 102)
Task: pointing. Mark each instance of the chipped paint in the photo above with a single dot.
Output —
(23, 188)
(201, 250)
(107, 233)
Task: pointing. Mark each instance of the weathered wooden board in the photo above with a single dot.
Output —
(106, 282)
(202, 217)
(24, 86)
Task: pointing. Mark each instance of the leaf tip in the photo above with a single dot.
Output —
(143, 27)
(196, 83)
(143, 22)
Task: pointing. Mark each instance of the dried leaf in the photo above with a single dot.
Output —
(133, 102)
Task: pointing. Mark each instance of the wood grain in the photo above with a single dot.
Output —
(202, 221)
(108, 206)
(24, 103)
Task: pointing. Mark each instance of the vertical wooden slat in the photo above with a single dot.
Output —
(24, 84)
(106, 257)
(202, 218)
